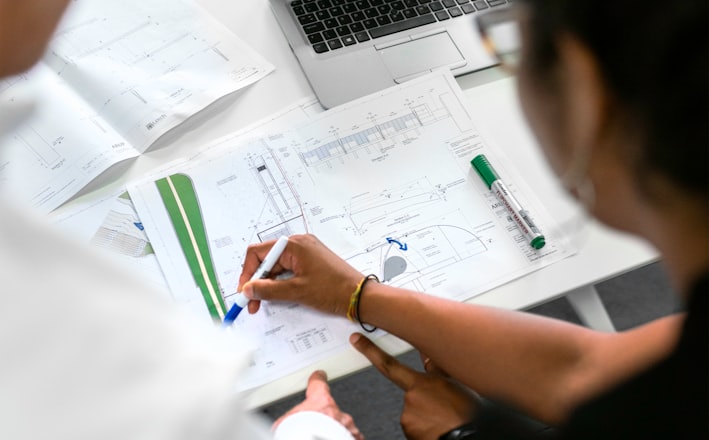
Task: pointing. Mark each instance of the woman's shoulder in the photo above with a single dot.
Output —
(667, 401)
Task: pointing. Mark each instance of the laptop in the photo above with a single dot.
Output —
(351, 48)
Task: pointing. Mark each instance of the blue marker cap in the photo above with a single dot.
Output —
(232, 314)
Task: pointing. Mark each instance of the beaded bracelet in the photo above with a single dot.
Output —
(353, 309)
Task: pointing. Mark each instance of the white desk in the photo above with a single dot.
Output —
(603, 254)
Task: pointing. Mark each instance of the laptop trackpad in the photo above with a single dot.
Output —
(413, 58)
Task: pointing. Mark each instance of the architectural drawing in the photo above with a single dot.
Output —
(384, 181)
(419, 258)
(156, 59)
(280, 196)
(366, 210)
(377, 133)
(32, 140)
(117, 75)
(376, 137)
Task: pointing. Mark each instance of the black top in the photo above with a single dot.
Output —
(668, 401)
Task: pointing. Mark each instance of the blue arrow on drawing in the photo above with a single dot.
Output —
(402, 246)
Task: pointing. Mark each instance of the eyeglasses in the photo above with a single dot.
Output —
(500, 32)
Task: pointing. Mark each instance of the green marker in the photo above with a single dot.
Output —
(519, 215)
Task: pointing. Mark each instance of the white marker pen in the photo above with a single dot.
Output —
(262, 271)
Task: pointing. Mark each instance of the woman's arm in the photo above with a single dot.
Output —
(543, 366)
(540, 365)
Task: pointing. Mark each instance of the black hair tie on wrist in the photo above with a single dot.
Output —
(371, 276)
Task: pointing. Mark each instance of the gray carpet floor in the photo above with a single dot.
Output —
(630, 299)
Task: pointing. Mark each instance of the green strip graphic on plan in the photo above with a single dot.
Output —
(182, 205)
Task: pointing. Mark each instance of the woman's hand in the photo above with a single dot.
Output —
(433, 403)
(321, 280)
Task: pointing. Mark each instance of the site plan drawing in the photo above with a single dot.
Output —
(385, 181)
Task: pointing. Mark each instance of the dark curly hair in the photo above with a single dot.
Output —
(653, 57)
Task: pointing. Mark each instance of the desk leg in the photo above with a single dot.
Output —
(588, 305)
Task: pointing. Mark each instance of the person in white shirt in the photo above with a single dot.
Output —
(89, 352)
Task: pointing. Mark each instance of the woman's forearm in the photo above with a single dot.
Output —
(540, 365)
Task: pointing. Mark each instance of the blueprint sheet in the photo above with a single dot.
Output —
(117, 75)
(385, 181)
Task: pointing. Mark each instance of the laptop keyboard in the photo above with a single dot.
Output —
(334, 24)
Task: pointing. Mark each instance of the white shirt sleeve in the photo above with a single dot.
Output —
(311, 425)
(87, 351)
